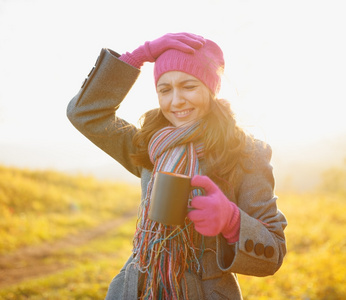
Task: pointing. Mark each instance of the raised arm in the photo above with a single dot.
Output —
(93, 110)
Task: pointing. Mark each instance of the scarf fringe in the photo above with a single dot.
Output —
(163, 253)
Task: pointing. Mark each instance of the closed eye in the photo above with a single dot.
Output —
(164, 91)
(190, 87)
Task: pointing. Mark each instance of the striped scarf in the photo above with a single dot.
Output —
(162, 253)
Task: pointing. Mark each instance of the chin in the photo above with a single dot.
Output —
(184, 123)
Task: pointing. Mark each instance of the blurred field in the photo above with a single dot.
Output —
(65, 237)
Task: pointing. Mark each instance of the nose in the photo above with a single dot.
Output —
(177, 98)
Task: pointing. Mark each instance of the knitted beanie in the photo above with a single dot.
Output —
(206, 64)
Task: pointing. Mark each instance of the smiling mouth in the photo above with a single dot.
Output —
(182, 113)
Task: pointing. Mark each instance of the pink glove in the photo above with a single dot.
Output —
(214, 213)
(150, 51)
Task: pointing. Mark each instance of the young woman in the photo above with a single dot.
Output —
(235, 226)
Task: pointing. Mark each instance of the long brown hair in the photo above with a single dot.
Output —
(224, 141)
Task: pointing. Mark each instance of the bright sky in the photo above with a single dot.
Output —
(285, 65)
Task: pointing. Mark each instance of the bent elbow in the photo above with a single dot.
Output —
(74, 115)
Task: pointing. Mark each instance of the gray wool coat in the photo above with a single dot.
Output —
(261, 246)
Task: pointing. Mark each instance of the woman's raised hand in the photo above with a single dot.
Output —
(150, 51)
(185, 42)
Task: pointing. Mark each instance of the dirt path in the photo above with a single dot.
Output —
(26, 262)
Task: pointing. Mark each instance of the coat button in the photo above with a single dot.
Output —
(84, 82)
(97, 60)
(268, 251)
(259, 249)
(91, 71)
(248, 245)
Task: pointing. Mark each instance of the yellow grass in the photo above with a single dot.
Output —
(40, 207)
(315, 265)
(37, 206)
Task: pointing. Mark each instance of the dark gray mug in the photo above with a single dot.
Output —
(170, 198)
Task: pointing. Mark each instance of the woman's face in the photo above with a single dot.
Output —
(182, 97)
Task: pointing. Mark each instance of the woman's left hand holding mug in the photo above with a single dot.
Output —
(213, 213)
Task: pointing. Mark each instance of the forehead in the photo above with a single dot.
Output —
(174, 77)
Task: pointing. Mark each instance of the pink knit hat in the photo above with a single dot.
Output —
(206, 64)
